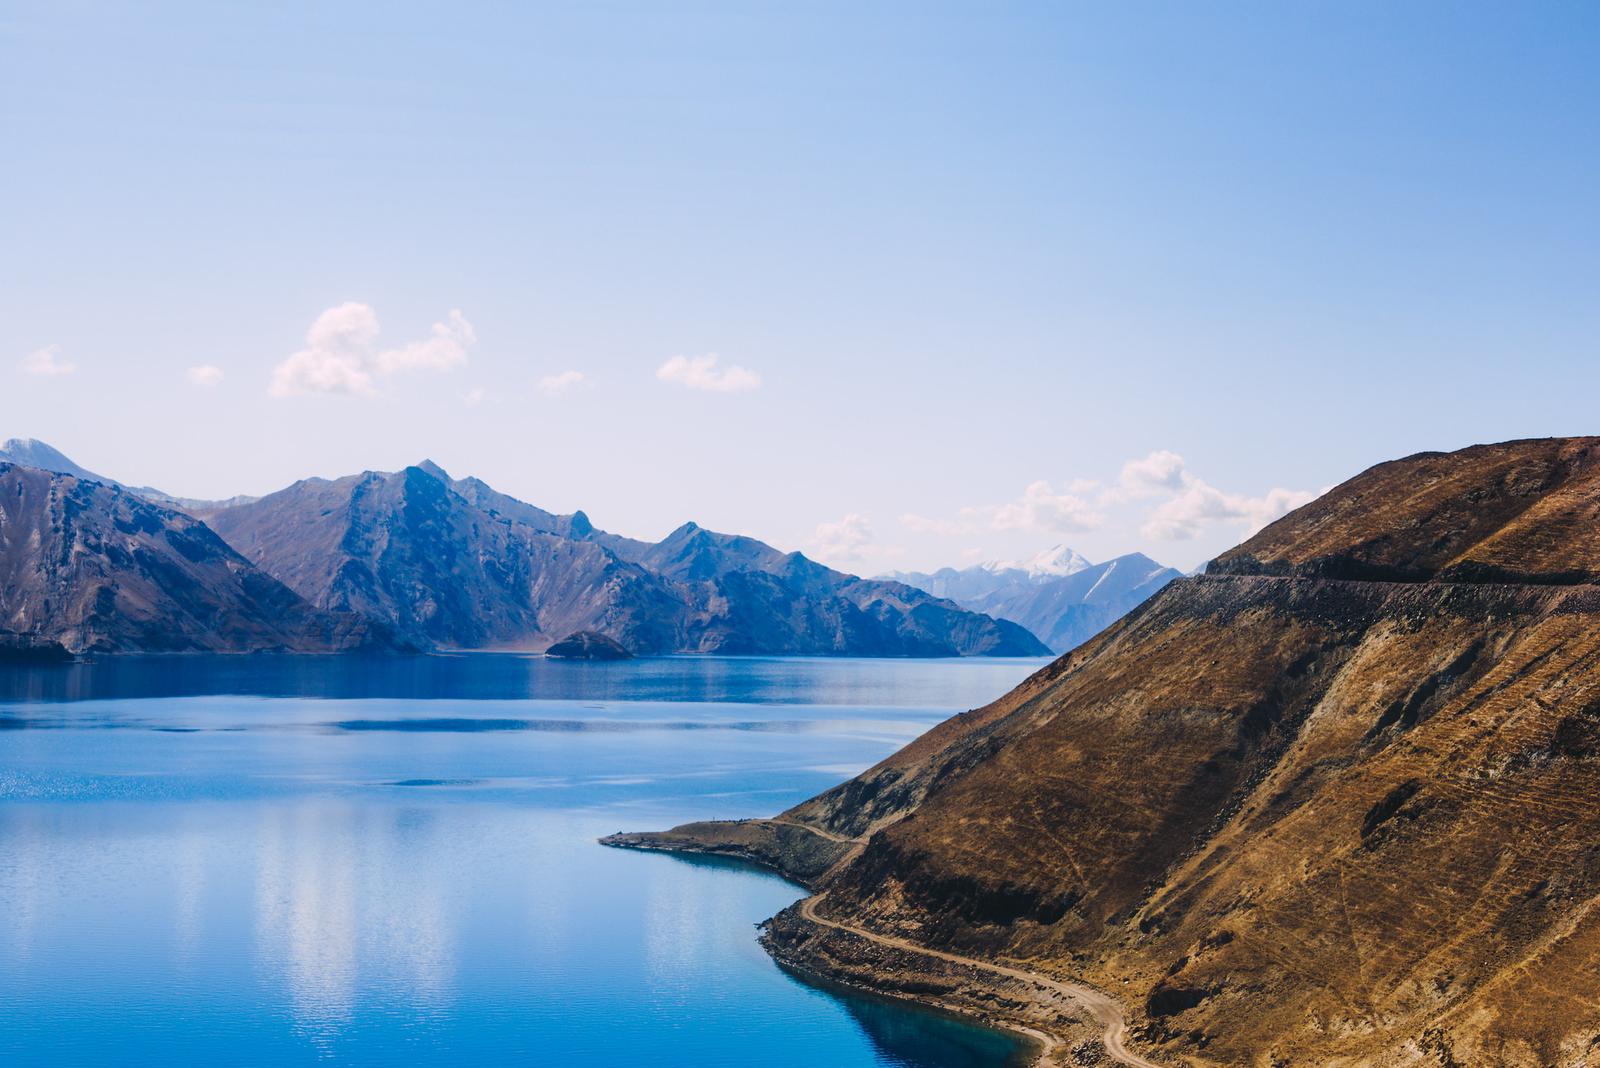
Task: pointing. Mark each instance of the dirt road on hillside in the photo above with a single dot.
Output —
(1102, 1008)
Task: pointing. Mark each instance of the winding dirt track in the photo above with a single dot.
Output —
(1105, 1011)
(818, 831)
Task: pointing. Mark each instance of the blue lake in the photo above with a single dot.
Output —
(264, 860)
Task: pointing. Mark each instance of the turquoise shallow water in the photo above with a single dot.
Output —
(333, 861)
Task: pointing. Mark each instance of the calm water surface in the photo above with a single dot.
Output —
(259, 860)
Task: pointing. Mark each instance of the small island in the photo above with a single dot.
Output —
(588, 645)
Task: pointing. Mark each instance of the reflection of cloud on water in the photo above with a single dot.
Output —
(189, 875)
(411, 937)
(21, 877)
(305, 915)
(844, 771)
(686, 915)
(484, 725)
(879, 731)
(343, 906)
(547, 901)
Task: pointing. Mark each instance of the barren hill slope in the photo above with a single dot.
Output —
(1332, 803)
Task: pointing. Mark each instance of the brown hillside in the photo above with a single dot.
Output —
(1332, 803)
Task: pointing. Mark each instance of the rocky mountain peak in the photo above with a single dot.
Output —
(1056, 562)
(30, 452)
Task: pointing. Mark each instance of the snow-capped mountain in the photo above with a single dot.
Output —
(1059, 562)
(31, 453)
(991, 576)
(1059, 595)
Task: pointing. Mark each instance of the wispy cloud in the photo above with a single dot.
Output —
(945, 528)
(47, 363)
(1192, 503)
(1042, 508)
(1176, 505)
(1199, 505)
(846, 541)
(702, 372)
(205, 376)
(444, 348)
(555, 385)
(342, 353)
(1160, 472)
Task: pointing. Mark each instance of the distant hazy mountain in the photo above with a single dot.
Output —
(1058, 595)
(455, 564)
(30, 453)
(89, 566)
(981, 580)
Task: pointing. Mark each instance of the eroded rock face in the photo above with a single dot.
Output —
(91, 567)
(1331, 803)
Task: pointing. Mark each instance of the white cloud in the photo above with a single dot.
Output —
(946, 528)
(1181, 506)
(47, 362)
(337, 357)
(474, 396)
(1192, 504)
(1199, 504)
(341, 353)
(845, 541)
(1042, 508)
(445, 348)
(555, 385)
(701, 372)
(206, 375)
(1160, 472)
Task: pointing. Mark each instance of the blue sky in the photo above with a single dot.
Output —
(976, 277)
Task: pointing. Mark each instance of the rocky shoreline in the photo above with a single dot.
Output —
(1050, 1026)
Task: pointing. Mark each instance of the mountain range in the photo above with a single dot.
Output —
(87, 566)
(1329, 803)
(417, 560)
(1058, 595)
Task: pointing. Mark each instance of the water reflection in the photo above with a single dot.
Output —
(904, 1035)
(257, 886)
(910, 1036)
(412, 933)
(963, 683)
(305, 915)
(188, 904)
(22, 863)
(337, 898)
